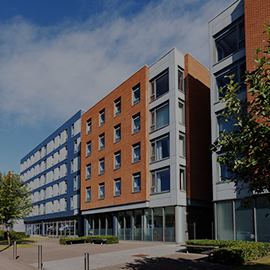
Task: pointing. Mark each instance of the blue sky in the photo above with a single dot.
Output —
(59, 56)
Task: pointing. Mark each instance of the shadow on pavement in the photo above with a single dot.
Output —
(170, 264)
(5, 248)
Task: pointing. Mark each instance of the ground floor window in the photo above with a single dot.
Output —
(157, 224)
(236, 222)
(56, 228)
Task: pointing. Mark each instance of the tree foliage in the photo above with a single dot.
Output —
(15, 202)
(245, 150)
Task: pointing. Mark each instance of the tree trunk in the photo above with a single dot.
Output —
(8, 236)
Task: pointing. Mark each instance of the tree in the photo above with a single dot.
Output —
(15, 202)
(245, 150)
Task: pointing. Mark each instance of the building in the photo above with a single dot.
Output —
(145, 159)
(52, 171)
(233, 36)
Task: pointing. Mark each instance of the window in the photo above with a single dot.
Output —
(88, 149)
(136, 119)
(88, 194)
(45, 178)
(117, 160)
(136, 94)
(53, 144)
(39, 195)
(88, 171)
(52, 159)
(58, 205)
(117, 187)
(52, 175)
(59, 139)
(45, 150)
(72, 166)
(75, 183)
(225, 125)
(182, 147)
(71, 203)
(101, 141)
(117, 133)
(72, 130)
(39, 209)
(239, 77)
(101, 191)
(182, 178)
(101, 166)
(65, 204)
(52, 207)
(75, 146)
(136, 152)
(45, 164)
(44, 208)
(181, 112)
(160, 180)
(66, 134)
(65, 168)
(160, 148)
(44, 193)
(102, 117)
(160, 85)
(65, 186)
(52, 191)
(117, 106)
(230, 40)
(88, 126)
(59, 156)
(223, 173)
(159, 117)
(181, 80)
(136, 182)
(58, 189)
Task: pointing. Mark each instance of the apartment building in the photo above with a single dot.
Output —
(145, 159)
(233, 36)
(52, 172)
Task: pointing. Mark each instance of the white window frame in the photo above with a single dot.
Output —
(101, 161)
(89, 126)
(101, 196)
(101, 136)
(88, 175)
(182, 145)
(116, 128)
(117, 165)
(181, 111)
(182, 178)
(135, 90)
(117, 192)
(101, 116)
(134, 119)
(88, 194)
(88, 149)
(134, 147)
(117, 106)
(135, 176)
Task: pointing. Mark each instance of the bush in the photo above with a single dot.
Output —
(16, 235)
(109, 239)
(2, 233)
(232, 252)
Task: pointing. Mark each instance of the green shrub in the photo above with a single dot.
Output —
(109, 239)
(232, 252)
(2, 233)
(16, 235)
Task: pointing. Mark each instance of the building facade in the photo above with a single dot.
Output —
(233, 36)
(142, 172)
(52, 172)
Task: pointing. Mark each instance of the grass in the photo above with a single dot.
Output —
(24, 242)
(263, 264)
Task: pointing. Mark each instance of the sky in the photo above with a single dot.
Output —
(59, 56)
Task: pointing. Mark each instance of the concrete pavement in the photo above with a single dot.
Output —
(125, 255)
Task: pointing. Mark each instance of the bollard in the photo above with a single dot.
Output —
(14, 250)
(40, 257)
(86, 261)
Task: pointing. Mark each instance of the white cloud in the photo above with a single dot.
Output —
(50, 73)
